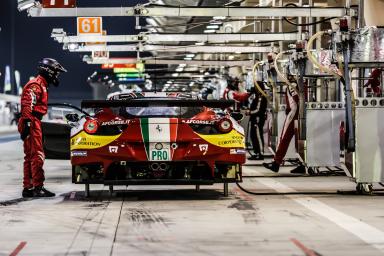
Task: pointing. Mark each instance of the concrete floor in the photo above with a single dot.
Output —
(169, 220)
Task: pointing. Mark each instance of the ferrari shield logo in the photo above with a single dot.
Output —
(203, 148)
(113, 149)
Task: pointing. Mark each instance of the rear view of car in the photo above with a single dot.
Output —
(154, 141)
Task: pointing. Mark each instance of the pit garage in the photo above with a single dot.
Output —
(227, 127)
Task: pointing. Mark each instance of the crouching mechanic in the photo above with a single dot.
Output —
(34, 105)
(288, 132)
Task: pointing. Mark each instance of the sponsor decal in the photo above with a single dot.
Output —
(158, 128)
(82, 140)
(115, 122)
(233, 139)
(236, 151)
(194, 121)
(203, 148)
(113, 149)
(79, 153)
(85, 142)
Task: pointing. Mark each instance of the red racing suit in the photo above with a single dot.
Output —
(292, 111)
(238, 97)
(34, 105)
(374, 82)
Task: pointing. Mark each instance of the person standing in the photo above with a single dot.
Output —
(257, 116)
(34, 105)
(288, 132)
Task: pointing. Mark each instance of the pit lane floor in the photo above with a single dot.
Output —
(157, 220)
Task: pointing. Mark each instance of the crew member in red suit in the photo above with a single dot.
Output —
(34, 105)
(232, 93)
(288, 132)
(374, 82)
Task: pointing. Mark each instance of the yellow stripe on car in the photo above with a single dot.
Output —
(233, 139)
(84, 140)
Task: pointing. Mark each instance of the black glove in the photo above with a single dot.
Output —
(26, 129)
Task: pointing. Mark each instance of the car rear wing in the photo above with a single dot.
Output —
(153, 103)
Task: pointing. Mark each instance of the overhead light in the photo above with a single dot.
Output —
(238, 52)
(175, 74)
(187, 58)
(179, 69)
(23, 5)
(200, 43)
(212, 26)
(169, 82)
(209, 31)
(231, 57)
(182, 65)
(190, 55)
(219, 17)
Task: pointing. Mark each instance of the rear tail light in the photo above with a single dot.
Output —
(225, 125)
(91, 126)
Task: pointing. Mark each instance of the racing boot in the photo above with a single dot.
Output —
(42, 192)
(273, 166)
(299, 170)
(27, 192)
(256, 157)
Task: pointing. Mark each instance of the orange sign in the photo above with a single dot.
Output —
(89, 26)
(59, 3)
(112, 66)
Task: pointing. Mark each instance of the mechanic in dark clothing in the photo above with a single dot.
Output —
(257, 116)
(34, 105)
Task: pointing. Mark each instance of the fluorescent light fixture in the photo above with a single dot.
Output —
(238, 52)
(231, 57)
(187, 58)
(182, 65)
(179, 69)
(212, 26)
(23, 5)
(190, 55)
(175, 74)
(209, 31)
(169, 82)
(219, 17)
(200, 43)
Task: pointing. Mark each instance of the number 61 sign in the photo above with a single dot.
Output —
(89, 26)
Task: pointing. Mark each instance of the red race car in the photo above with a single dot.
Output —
(154, 139)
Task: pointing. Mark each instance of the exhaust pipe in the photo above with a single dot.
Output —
(154, 166)
(163, 166)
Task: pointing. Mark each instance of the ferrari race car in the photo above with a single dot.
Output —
(154, 139)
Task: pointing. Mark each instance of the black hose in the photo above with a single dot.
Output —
(308, 24)
(305, 24)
